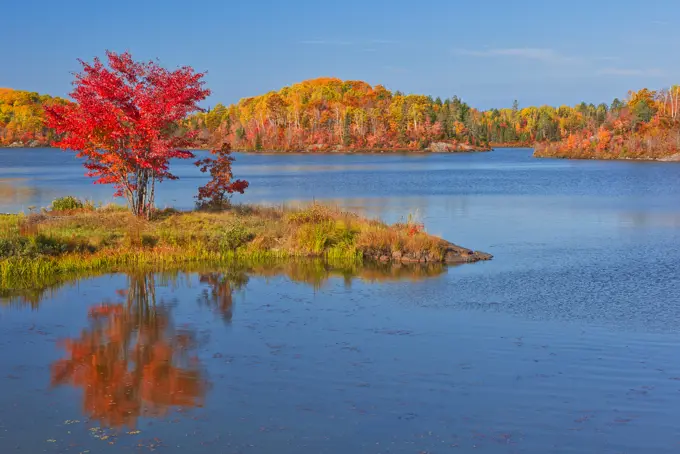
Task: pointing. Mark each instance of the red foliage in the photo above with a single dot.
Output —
(125, 123)
(217, 191)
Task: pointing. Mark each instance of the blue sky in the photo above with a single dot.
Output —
(486, 52)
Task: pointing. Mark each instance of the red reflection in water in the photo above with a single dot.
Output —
(131, 361)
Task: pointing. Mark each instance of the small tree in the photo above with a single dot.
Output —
(125, 123)
(217, 192)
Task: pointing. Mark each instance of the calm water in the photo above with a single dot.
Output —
(568, 341)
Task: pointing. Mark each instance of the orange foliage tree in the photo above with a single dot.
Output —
(22, 121)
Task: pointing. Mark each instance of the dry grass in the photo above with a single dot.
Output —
(89, 239)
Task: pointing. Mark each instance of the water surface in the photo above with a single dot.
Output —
(566, 342)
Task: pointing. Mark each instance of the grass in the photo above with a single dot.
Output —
(70, 240)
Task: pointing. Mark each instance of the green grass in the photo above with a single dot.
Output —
(87, 238)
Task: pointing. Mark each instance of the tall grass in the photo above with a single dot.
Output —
(86, 239)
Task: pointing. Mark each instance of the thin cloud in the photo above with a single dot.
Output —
(544, 55)
(323, 42)
(631, 72)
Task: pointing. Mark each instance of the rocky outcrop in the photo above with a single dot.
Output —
(30, 144)
(441, 147)
(446, 147)
(452, 254)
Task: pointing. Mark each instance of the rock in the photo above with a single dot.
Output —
(452, 254)
(446, 147)
(33, 144)
(457, 254)
(16, 145)
(441, 147)
(316, 147)
(409, 257)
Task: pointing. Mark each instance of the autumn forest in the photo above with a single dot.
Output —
(329, 114)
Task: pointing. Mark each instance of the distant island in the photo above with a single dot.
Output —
(331, 115)
(22, 119)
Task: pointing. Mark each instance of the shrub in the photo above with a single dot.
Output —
(234, 237)
(34, 246)
(148, 240)
(15, 247)
(48, 245)
(67, 203)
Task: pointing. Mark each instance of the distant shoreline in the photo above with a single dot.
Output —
(554, 151)
(536, 154)
(450, 150)
(673, 158)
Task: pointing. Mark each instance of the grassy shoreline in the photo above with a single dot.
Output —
(88, 239)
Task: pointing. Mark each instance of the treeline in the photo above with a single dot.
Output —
(324, 114)
(327, 113)
(22, 118)
(647, 126)
(330, 114)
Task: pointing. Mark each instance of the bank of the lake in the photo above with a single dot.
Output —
(58, 242)
(436, 147)
(559, 151)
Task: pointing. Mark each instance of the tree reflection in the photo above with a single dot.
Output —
(219, 285)
(131, 361)
(219, 294)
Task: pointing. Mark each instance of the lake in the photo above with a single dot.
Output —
(567, 341)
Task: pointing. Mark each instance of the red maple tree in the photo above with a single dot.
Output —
(125, 123)
(216, 193)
